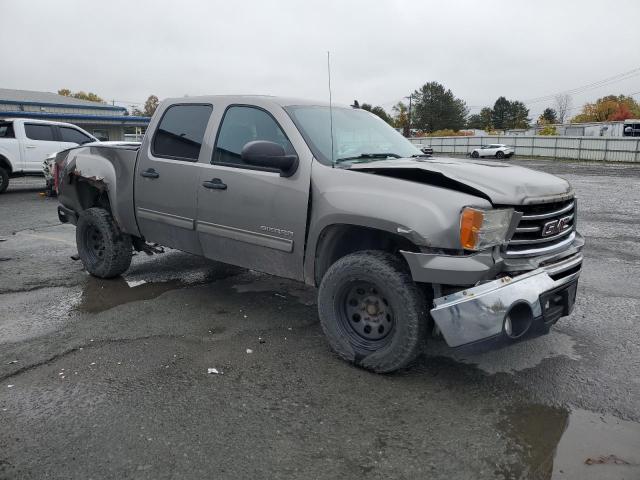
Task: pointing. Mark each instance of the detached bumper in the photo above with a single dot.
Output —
(508, 306)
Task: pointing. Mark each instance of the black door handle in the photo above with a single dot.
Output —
(215, 183)
(150, 173)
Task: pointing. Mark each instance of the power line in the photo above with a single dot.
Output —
(590, 86)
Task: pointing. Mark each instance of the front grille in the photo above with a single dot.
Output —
(543, 228)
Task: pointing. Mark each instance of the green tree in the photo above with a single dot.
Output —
(482, 120)
(509, 114)
(475, 121)
(151, 105)
(500, 113)
(436, 108)
(548, 116)
(519, 115)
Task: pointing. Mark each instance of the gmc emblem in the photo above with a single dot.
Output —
(555, 227)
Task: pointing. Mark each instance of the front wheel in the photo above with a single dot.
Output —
(475, 154)
(499, 154)
(104, 250)
(372, 312)
(4, 180)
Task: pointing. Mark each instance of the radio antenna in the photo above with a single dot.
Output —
(330, 104)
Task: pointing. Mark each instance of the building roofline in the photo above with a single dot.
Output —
(98, 106)
(77, 116)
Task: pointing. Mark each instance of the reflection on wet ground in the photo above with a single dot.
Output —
(533, 432)
(146, 281)
(548, 442)
(99, 295)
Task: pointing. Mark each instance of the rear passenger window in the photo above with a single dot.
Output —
(72, 135)
(242, 125)
(6, 130)
(181, 131)
(36, 131)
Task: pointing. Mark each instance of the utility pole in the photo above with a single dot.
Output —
(407, 132)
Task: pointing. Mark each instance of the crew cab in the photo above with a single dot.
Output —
(26, 143)
(401, 245)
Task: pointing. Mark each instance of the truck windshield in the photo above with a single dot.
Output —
(358, 136)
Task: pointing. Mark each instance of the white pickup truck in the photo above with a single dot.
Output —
(25, 143)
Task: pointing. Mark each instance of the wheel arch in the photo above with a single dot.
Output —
(6, 164)
(340, 239)
(100, 177)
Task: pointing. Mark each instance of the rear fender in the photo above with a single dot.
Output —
(109, 171)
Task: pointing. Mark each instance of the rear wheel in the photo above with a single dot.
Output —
(500, 154)
(372, 312)
(4, 180)
(475, 154)
(104, 250)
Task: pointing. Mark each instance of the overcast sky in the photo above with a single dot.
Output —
(380, 50)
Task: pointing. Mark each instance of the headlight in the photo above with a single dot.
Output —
(480, 229)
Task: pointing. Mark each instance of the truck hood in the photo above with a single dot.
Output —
(500, 183)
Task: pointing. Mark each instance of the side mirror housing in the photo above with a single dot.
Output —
(270, 156)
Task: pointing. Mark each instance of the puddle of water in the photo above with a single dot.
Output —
(534, 432)
(601, 438)
(555, 443)
(99, 295)
(280, 287)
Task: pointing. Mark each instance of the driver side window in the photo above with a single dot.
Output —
(242, 125)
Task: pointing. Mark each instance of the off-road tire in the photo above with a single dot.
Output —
(104, 250)
(390, 274)
(4, 180)
(500, 155)
(475, 154)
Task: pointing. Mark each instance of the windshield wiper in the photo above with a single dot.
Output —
(364, 156)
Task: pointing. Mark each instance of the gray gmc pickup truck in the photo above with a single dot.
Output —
(401, 245)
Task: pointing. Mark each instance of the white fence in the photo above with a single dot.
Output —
(578, 148)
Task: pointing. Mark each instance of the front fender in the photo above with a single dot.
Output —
(426, 215)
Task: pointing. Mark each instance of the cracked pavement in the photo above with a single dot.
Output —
(108, 378)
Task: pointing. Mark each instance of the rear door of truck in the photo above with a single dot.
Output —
(166, 176)
(40, 141)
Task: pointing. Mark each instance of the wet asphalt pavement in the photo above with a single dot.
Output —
(108, 379)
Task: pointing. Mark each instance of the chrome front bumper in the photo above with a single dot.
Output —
(488, 310)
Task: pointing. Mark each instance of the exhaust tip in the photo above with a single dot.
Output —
(517, 320)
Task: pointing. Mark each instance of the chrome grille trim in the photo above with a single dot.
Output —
(527, 229)
(541, 240)
(542, 216)
(528, 240)
(543, 250)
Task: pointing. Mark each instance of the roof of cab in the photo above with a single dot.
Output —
(36, 120)
(247, 99)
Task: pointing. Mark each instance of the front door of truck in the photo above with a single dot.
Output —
(166, 177)
(249, 217)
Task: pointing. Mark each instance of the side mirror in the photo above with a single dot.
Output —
(269, 155)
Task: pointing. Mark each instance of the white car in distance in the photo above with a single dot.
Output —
(497, 150)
